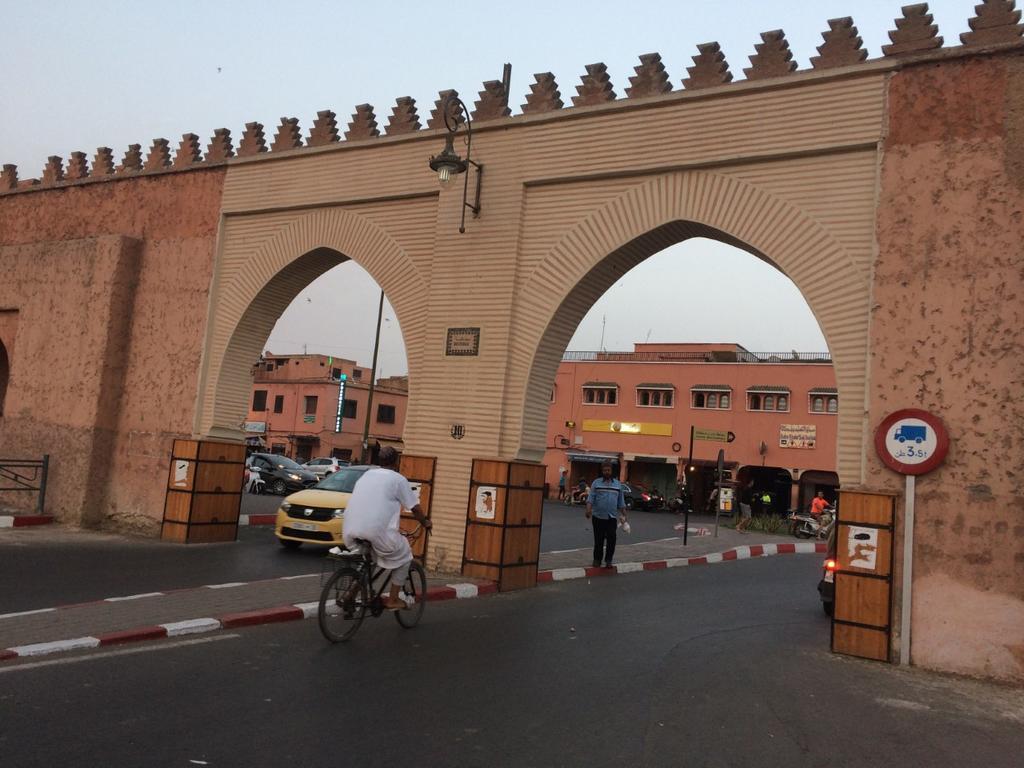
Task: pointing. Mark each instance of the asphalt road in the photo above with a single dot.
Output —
(719, 666)
(52, 567)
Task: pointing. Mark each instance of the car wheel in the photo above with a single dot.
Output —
(279, 487)
(827, 607)
(289, 544)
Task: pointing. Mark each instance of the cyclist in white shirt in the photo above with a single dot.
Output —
(373, 514)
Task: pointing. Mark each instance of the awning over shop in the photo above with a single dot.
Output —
(312, 439)
(383, 442)
(654, 459)
(595, 458)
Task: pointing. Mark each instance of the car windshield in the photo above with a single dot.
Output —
(283, 462)
(344, 480)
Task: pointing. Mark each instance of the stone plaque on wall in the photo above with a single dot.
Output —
(462, 342)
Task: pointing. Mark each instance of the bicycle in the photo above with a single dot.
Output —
(353, 591)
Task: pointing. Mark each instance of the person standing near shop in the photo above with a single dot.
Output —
(606, 503)
(561, 485)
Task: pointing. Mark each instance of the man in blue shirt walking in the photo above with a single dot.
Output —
(605, 504)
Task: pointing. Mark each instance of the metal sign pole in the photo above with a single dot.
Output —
(908, 570)
(718, 487)
(688, 500)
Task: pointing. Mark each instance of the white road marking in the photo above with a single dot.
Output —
(464, 590)
(132, 597)
(26, 613)
(300, 576)
(225, 586)
(309, 610)
(6, 521)
(122, 652)
(563, 551)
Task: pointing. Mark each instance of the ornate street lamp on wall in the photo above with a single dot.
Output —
(449, 164)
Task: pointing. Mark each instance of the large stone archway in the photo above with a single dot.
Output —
(666, 210)
(255, 281)
(888, 190)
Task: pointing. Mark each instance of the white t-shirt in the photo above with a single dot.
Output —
(373, 514)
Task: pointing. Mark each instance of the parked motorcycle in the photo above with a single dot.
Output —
(577, 496)
(804, 525)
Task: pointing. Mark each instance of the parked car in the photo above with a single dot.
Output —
(641, 497)
(316, 515)
(324, 466)
(280, 474)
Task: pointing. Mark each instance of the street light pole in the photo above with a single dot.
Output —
(373, 381)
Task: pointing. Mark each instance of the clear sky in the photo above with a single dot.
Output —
(78, 75)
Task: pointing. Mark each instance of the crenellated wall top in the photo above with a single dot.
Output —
(996, 25)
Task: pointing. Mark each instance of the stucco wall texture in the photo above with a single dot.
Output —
(946, 336)
(111, 285)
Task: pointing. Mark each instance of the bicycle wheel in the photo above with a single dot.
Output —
(415, 586)
(343, 604)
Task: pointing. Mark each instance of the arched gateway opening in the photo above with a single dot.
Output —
(670, 209)
(255, 286)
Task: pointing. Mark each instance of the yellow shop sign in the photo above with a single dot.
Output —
(627, 427)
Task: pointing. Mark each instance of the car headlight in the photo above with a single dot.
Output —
(338, 513)
(285, 506)
(293, 476)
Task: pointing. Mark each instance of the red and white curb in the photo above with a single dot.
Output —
(257, 519)
(19, 521)
(274, 615)
(738, 553)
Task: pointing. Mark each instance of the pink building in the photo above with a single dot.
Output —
(637, 410)
(294, 407)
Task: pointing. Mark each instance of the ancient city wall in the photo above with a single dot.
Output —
(109, 283)
(948, 337)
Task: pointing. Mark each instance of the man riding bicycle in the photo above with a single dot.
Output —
(373, 514)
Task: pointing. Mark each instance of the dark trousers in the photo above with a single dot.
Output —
(604, 538)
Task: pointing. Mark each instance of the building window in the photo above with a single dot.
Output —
(357, 373)
(311, 401)
(278, 403)
(718, 400)
(771, 401)
(600, 395)
(281, 363)
(552, 395)
(278, 449)
(336, 373)
(824, 404)
(349, 409)
(648, 397)
(385, 414)
(259, 400)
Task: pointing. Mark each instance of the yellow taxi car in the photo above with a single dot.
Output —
(316, 515)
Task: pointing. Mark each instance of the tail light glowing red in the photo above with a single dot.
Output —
(830, 565)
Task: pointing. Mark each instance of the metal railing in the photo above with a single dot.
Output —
(27, 476)
(717, 356)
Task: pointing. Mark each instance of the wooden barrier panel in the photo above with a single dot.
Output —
(862, 612)
(204, 491)
(419, 471)
(506, 503)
